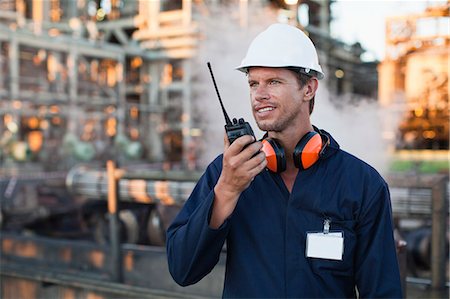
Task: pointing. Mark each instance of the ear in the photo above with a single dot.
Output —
(310, 88)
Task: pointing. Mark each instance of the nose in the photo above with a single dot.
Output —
(261, 93)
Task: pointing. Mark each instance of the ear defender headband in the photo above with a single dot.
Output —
(308, 150)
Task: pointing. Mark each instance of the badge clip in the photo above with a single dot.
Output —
(326, 226)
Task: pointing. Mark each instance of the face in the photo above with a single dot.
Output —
(278, 101)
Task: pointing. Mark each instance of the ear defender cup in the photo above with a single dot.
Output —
(276, 160)
(308, 150)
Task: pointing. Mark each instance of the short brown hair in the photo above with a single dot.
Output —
(303, 80)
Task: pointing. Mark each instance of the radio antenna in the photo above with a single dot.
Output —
(227, 119)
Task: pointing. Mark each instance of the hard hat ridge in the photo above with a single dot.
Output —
(282, 45)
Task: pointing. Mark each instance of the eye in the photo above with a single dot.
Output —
(274, 82)
(252, 84)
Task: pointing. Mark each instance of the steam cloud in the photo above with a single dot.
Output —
(359, 129)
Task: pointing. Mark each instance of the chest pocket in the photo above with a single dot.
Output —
(345, 266)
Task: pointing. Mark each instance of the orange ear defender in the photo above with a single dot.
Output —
(307, 151)
(275, 157)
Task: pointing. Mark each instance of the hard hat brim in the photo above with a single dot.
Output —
(309, 72)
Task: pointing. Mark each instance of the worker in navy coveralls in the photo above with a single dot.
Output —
(301, 217)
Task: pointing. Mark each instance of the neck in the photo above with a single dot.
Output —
(288, 140)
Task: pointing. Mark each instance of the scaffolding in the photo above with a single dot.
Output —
(82, 80)
(416, 70)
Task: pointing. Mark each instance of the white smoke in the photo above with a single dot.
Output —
(362, 128)
(224, 45)
(359, 128)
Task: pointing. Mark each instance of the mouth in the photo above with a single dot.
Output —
(263, 110)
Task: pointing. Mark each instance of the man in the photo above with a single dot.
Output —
(323, 229)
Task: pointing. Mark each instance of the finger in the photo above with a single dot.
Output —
(251, 150)
(238, 145)
(238, 159)
(255, 161)
(258, 169)
(244, 166)
(226, 142)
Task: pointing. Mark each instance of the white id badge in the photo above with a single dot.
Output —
(325, 245)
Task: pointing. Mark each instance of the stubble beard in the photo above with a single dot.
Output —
(279, 124)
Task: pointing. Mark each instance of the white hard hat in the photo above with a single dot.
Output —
(283, 45)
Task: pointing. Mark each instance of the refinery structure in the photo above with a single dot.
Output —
(84, 82)
(87, 81)
(100, 134)
(415, 70)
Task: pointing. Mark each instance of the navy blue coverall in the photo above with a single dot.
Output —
(266, 233)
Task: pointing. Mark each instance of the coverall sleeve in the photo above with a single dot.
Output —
(193, 248)
(377, 271)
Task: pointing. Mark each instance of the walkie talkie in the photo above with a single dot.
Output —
(234, 129)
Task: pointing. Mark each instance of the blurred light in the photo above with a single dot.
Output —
(119, 72)
(100, 14)
(196, 132)
(42, 110)
(54, 109)
(303, 14)
(44, 124)
(81, 4)
(410, 136)
(136, 62)
(106, 6)
(429, 134)
(111, 76)
(110, 109)
(75, 24)
(339, 73)
(139, 89)
(19, 150)
(167, 75)
(134, 112)
(94, 70)
(92, 8)
(35, 140)
(52, 67)
(185, 117)
(17, 104)
(134, 133)
(12, 127)
(33, 123)
(291, 2)
(53, 32)
(42, 54)
(39, 57)
(418, 112)
(111, 127)
(7, 118)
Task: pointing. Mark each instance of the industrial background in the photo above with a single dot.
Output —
(103, 134)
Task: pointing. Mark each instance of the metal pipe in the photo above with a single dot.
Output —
(149, 187)
(438, 235)
(114, 230)
(422, 281)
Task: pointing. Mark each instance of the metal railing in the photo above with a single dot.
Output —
(425, 196)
